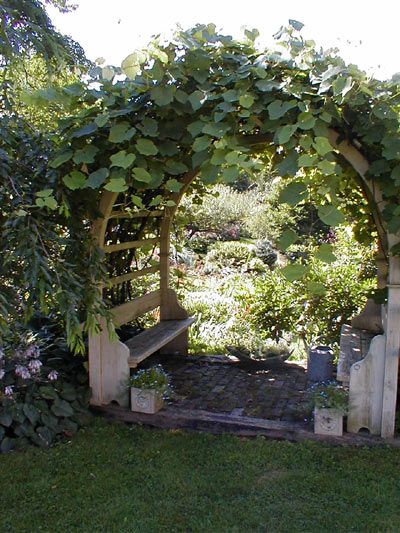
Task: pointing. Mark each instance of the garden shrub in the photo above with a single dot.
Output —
(228, 254)
(44, 394)
(280, 307)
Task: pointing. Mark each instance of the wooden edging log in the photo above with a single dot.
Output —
(217, 423)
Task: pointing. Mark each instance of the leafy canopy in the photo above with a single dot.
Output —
(208, 104)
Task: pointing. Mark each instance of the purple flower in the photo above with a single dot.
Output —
(53, 375)
(22, 372)
(34, 365)
(8, 391)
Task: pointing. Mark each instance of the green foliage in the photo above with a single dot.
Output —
(44, 395)
(229, 254)
(203, 102)
(313, 301)
(330, 396)
(154, 378)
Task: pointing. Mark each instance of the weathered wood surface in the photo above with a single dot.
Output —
(198, 420)
(108, 369)
(366, 389)
(135, 214)
(110, 248)
(124, 313)
(146, 343)
(354, 345)
(134, 275)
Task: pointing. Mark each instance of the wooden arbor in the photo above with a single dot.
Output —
(109, 361)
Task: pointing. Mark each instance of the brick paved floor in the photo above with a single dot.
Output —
(278, 394)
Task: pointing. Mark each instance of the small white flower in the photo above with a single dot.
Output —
(1, 373)
(34, 365)
(22, 371)
(53, 375)
(8, 391)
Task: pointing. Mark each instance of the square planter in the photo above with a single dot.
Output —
(146, 400)
(328, 422)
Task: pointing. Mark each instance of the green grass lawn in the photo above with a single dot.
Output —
(126, 478)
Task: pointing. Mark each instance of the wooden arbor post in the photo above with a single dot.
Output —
(392, 322)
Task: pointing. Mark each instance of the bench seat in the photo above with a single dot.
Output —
(149, 341)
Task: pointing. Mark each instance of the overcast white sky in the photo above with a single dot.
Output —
(114, 28)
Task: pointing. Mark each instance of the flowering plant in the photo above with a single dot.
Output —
(42, 394)
(154, 378)
(330, 395)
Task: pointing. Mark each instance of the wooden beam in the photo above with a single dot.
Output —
(110, 248)
(133, 275)
(122, 314)
(135, 214)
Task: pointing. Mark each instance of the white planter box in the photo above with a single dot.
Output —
(328, 422)
(146, 400)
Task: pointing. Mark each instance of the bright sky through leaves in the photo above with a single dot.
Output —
(114, 28)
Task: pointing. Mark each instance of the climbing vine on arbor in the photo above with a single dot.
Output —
(207, 104)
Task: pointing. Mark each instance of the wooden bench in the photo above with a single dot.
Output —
(151, 340)
(111, 360)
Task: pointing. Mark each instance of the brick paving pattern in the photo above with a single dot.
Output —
(279, 394)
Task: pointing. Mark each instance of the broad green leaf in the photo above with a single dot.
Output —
(330, 215)
(267, 85)
(289, 165)
(327, 167)
(285, 133)
(136, 200)
(86, 154)
(44, 193)
(121, 132)
(175, 167)
(131, 65)
(216, 129)
(209, 173)
(325, 253)
(61, 159)
(102, 120)
(146, 147)
(230, 96)
(246, 100)
(201, 143)
(163, 95)
(232, 158)
(97, 178)
(395, 174)
(196, 99)
(141, 174)
(293, 193)
(294, 272)
(122, 159)
(322, 145)
(62, 408)
(278, 108)
(173, 185)
(75, 180)
(306, 120)
(48, 201)
(218, 157)
(181, 96)
(86, 130)
(149, 127)
(195, 128)
(287, 238)
(156, 201)
(230, 174)
(307, 160)
(392, 147)
(116, 185)
(316, 288)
